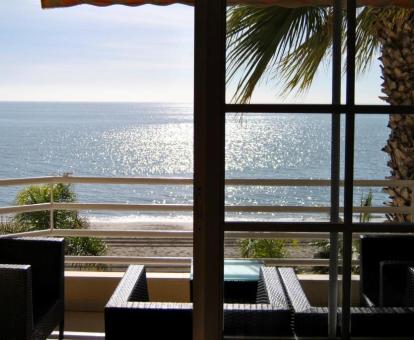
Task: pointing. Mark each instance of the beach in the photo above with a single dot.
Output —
(177, 247)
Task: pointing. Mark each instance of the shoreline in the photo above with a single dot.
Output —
(177, 247)
(187, 223)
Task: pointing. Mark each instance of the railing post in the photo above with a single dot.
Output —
(52, 217)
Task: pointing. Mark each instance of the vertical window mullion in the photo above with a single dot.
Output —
(349, 168)
(209, 121)
(335, 166)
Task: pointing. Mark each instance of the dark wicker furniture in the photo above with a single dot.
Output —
(129, 315)
(396, 284)
(307, 319)
(384, 261)
(397, 293)
(31, 288)
(310, 321)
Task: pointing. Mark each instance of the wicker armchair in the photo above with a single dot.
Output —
(396, 284)
(379, 257)
(31, 288)
(129, 315)
(310, 321)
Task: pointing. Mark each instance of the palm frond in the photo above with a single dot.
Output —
(297, 69)
(260, 37)
(290, 44)
(367, 43)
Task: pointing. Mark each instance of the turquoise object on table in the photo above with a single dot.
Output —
(242, 270)
(239, 270)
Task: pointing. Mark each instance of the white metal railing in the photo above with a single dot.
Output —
(51, 180)
(178, 234)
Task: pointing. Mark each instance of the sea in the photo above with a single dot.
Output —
(156, 140)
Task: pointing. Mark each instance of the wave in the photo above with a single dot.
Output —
(134, 222)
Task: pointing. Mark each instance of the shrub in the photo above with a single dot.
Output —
(63, 219)
(85, 246)
(365, 217)
(39, 220)
(263, 248)
(324, 248)
(11, 227)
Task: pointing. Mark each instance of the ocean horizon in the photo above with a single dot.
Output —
(156, 140)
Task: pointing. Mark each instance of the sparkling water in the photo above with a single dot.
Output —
(156, 140)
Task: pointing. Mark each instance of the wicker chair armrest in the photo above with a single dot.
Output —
(16, 310)
(132, 287)
(270, 288)
(307, 320)
(366, 301)
(297, 298)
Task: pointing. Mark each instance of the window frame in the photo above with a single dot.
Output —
(210, 109)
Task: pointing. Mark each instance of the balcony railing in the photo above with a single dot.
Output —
(184, 262)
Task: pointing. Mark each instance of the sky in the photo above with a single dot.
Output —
(117, 53)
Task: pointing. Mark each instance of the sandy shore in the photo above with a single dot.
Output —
(161, 247)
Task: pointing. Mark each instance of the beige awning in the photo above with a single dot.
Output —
(283, 3)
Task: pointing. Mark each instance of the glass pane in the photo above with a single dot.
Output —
(281, 147)
(384, 52)
(85, 53)
(278, 54)
(290, 272)
(371, 134)
(82, 96)
(383, 144)
(385, 281)
(383, 258)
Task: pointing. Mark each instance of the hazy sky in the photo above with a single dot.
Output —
(116, 53)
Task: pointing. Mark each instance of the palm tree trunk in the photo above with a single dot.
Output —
(397, 57)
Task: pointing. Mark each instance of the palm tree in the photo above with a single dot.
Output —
(291, 43)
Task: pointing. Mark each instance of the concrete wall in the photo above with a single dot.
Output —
(90, 291)
(86, 294)
(316, 288)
